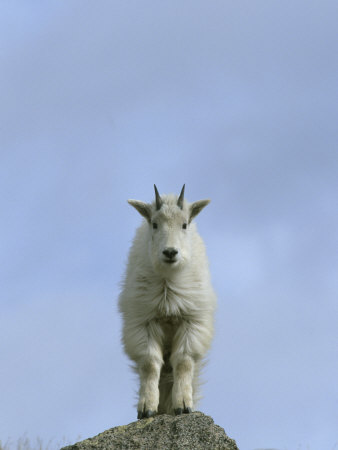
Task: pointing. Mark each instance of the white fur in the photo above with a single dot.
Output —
(167, 309)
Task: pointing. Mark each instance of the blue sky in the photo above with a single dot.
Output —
(239, 101)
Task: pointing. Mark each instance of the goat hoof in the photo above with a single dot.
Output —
(187, 410)
(178, 411)
(145, 414)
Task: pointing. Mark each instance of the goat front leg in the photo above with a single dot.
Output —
(149, 360)
(185, 348)
(182, 393)
(149, 371)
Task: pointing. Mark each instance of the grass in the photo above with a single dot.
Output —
(24, 443)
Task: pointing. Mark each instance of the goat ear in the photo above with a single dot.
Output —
(143, 208)
(196, 208)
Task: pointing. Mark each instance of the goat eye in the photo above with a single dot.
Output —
(154, 225)
(184, 226)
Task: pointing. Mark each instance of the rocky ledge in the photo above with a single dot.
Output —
(188, 431)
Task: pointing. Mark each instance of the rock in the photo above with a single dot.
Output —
(188, 431)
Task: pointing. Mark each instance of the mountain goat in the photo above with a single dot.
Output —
(167, 304)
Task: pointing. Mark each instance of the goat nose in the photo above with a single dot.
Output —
(170, 252)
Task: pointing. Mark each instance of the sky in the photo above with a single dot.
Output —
(239, 101)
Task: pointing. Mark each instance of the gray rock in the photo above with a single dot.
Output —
(188, 431)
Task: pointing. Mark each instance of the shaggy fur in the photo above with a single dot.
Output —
(167, 305)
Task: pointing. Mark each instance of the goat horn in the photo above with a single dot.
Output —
(159, 201)
(181, 198)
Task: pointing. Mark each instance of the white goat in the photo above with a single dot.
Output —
(167, 303)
